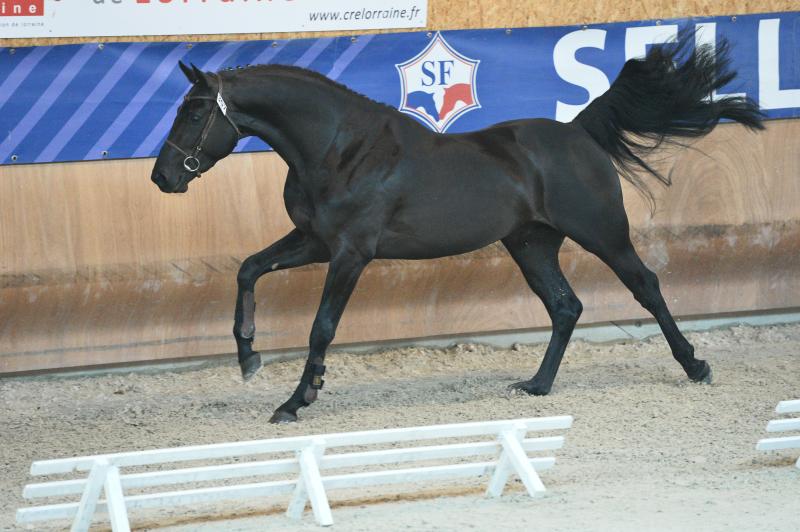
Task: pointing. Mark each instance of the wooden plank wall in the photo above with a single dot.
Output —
(98, 267)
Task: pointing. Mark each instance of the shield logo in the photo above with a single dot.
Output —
(438, 85)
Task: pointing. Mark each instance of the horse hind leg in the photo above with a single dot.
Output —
(604, 231)
(644, 285)
(534, 248)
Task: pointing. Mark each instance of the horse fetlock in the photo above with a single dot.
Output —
(287, 412)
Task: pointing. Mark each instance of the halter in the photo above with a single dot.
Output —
(191, 163)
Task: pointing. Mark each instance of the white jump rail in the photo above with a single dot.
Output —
(509, 452)
(783, 425)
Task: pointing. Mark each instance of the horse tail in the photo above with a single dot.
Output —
(663, 98)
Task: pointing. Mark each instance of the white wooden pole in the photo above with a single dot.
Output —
(280, 487)
(309, 471)
(783, 425)
(91, 494)
(519, 460)
(504, 465)
(310, 459)
(115, 502)
(226, 450)
(290, 465)
(297, 504)
(787, 407)
(774, 444)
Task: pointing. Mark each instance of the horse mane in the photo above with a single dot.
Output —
(301, 73)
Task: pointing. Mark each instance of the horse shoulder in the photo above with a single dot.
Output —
(371, 154)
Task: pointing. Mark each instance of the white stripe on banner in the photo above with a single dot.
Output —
(82, 114)
(46, 100)
(21, 72)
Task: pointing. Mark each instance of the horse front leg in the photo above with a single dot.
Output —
(295, 249)
(343, 274)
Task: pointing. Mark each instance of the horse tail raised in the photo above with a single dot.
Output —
(663, 98)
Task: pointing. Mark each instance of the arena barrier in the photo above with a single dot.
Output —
(509, 447)
(783, 425)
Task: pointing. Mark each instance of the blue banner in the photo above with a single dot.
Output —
(118, 100)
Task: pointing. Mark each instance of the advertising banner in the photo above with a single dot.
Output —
(105, 18)
(94, 101)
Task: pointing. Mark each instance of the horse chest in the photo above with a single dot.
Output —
(322, 211)
(298, 204)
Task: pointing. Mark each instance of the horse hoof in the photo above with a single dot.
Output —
(281, 416)
(250, 366)
(705, 376)
(530, 387)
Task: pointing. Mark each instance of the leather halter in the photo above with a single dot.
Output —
(191, 163)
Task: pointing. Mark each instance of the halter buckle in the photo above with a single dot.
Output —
(187, 163)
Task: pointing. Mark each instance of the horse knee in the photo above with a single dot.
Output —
(247, 273)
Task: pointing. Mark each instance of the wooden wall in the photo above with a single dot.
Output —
(98, 267)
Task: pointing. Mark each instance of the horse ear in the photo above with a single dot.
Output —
(201, 77)
(188, 72)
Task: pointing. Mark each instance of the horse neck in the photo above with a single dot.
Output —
(296, 117)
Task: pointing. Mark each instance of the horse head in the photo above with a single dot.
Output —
(202, 134)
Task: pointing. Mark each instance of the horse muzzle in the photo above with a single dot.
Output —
(182, 185)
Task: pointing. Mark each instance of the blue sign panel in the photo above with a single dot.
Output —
(118, 100)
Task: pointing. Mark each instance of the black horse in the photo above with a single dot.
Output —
(367, 182)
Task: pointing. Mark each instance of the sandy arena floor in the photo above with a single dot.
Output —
(648, 450)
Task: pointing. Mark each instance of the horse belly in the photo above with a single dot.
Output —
(439, 225)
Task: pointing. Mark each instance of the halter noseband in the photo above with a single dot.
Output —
(191, 163)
